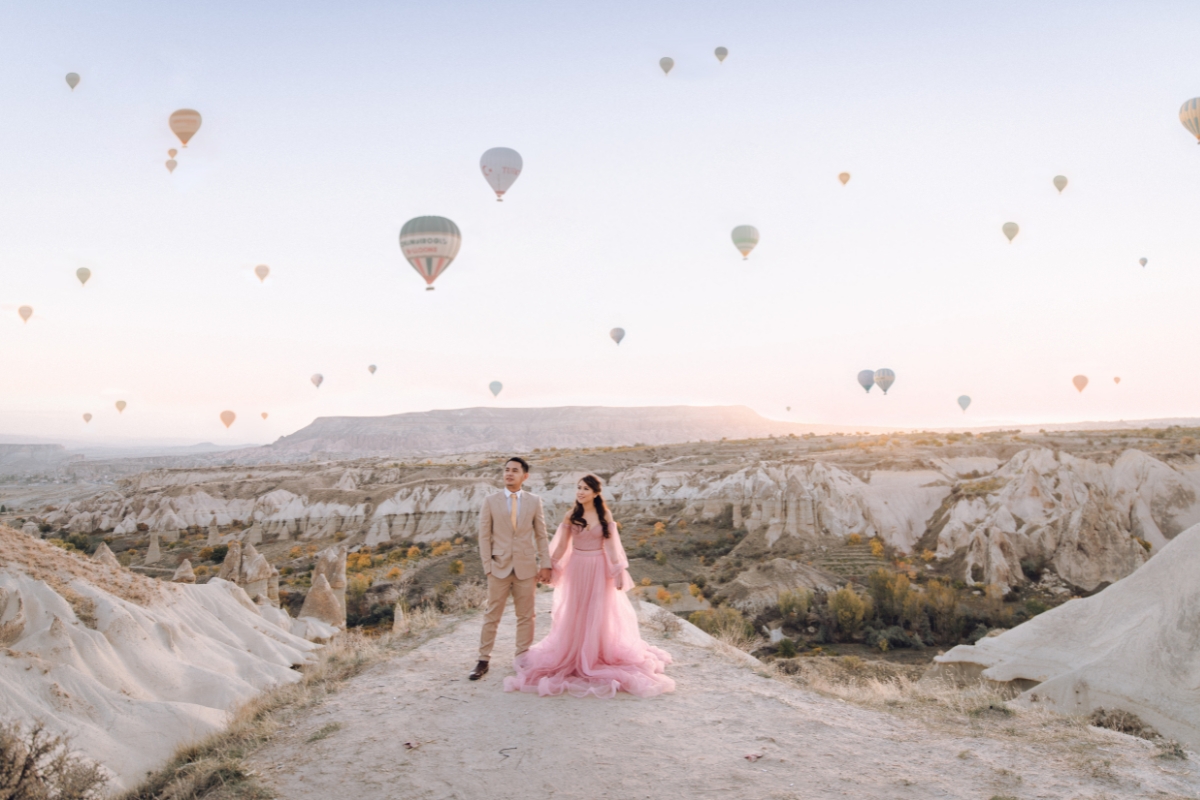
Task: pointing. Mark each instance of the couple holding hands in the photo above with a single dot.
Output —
(594, 646)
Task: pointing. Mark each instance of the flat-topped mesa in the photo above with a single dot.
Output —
(184, 573)
(104, 555)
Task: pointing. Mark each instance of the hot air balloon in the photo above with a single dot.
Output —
(1010, 230)
(745, 237)
(495, 386)
(184, 124)
(72, 80)
(1060, 182)
(172, 153)
(884, 378)
(1080, 382)
(264, 415)
(371, 368)
(430, 245)
(721, 53)
(121, 406)
(26, 312)
(1116, 380)
(501, 167)
(617, 334)
(171, 164)
(963, 402)
(228, 417)
(866, 379)
(1189, 115)
(666, 64)
(789, 408)
(83, 273)
(1143, 261)
(262, 271)
(87, 417)
(317, 380)
(844, 178)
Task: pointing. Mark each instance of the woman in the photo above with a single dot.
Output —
(594, 646)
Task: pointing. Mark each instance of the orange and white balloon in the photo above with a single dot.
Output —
(184, 124)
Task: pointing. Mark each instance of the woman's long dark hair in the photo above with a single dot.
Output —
(577, 517)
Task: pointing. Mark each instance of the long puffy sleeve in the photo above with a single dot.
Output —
(618, 562)
(560, 552)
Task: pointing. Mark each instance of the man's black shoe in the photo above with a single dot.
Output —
(480, 670)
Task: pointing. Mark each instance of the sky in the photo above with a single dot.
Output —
(327, 125)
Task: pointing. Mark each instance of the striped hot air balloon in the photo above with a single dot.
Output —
(884, 378)
(1189, 115)
(184, 124)
(430, 245)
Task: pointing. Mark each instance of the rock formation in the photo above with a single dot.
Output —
(184, 573)
(1132, 647)
(104, 555)
(322, 603)
(214, 534)
(31, 529)
(153, 554)
(249, 569)
(331, 564)
(759, 587)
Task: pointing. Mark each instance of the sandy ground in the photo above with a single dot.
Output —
(473, 740)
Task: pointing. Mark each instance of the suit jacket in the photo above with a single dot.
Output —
(504, 550)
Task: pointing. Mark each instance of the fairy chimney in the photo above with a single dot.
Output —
(322, 603)
(104, 555)
(331, 563)
(184, 574)
(153, 555)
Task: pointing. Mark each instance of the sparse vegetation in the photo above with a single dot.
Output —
(34, 765)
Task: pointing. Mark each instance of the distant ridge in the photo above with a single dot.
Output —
(520, 430)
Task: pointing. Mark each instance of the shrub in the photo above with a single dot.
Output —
(787, 648)
(928, 555)
(394, 574)
(645, 581)
(725, 622)
(660, 528)
(876, 548)
(681, 524)
(663, 596)
(456, 567)
(854, 538)
(215, 553)
(413, 553)
(142, 527)
(942, 603)
(849, 610)
(695, 590)
(794, 604)
(38, 766)
(357, 586)
(357, 562)
(1033, 607)
(660, 558)
(441, 548)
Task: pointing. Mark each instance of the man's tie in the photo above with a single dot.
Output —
(512, 499)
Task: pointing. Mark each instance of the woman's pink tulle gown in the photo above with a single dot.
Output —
(594, 646)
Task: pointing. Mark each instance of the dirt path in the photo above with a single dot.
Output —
(476, 741)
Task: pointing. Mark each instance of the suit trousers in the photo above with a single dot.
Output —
(499, 590)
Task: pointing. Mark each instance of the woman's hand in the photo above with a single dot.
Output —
(617, 583)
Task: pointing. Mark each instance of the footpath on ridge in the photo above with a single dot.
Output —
(415, 727)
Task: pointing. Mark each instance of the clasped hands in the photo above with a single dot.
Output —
(543, 575)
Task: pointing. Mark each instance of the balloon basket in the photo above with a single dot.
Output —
(429, 288)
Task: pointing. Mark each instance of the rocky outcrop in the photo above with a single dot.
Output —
(184, 573)
(104, 555)
(1131, 647)
(153, 553)
(759, 587)
(331, 565)
(322, 603)
(250, 570)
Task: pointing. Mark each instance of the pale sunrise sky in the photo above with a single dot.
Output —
(328, 125)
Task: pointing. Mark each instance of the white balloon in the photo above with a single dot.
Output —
(501, 166)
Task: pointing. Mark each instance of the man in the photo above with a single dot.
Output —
(512, 544)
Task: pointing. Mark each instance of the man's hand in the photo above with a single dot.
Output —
(543, 575)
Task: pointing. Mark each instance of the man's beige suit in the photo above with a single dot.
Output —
(511, 559)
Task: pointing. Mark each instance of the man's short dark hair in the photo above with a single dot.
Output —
(524, 464)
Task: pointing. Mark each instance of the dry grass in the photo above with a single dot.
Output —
(215, 767)
(35, 765)
(57, 568)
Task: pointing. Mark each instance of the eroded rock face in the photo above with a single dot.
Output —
(759, 587)
(1079, 516)
(250, 570)
(12, 616)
